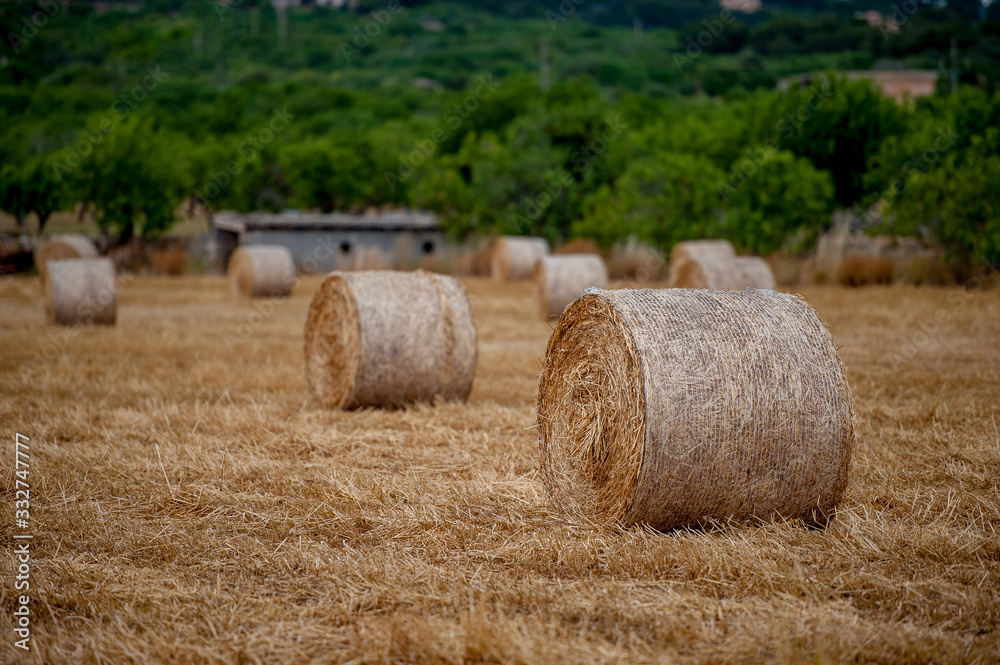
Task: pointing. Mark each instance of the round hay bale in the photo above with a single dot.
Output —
(388, 339)
(262, 271)
(70, 246)
(515, 258)
(683, 407)
(562, 278)
(754, 273)
(703, 264)
(80, 291)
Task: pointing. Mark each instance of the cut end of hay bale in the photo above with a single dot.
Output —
(387, 339)
(262, 271)
(81, 291)
(679, 406)
(561, 279)
(514, 258)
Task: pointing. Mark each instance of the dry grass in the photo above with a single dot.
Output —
(191, 506)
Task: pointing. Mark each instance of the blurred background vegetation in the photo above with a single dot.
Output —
(656, 120)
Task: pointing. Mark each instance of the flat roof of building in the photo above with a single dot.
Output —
(389, 220)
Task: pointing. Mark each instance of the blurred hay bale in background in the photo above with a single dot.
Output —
(477, 258)
(70, 246)
(787, 269)
(562, 278)
(636, 261)
(514, 258)
(677, 406)
(262, 271)
(858, 270)
(80, 291)
(387, 339)
(754, 272)
(578, 246)
(703, 264)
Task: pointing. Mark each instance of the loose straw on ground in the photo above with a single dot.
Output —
(383, 338)
(514, 258)
(262, 271)
(80, 291)
(678, 407)
(562, 278)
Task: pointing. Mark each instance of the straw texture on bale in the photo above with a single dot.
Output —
(514, 258)
(262, 271)
(754, 272)
(562, 278)
(383, 338)
(680, 407)
(70, 246)
(80, 291)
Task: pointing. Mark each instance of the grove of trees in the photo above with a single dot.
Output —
(132, 112)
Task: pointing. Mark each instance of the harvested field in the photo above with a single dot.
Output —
(191, 505)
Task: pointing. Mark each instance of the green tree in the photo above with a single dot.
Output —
(328, 174)
(131, 182)
(784, 196)
(659, 200)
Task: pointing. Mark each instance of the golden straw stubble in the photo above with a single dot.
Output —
(678, 407)
(386, 339)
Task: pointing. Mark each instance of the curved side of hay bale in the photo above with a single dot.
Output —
(262, 271)
(562, 278)
(515, 257)
(702, 264)
(384, 338)
(69, 246)
(754, 272)
(81, 291)
(678, 406)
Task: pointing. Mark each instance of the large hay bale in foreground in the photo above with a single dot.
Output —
(262, 271)
(703, 264)
(562, 278)
(389, 339)
(70, 246)
(754, 273)
(80, 291)
(515, 258)
(679, 407)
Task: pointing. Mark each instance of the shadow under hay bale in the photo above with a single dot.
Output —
(857, 270)
(81, 291)
(514, 258)
(562, 278)
(70, 246)
(703, 264)
(681, 407)
(262, 271)
(387, 339)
